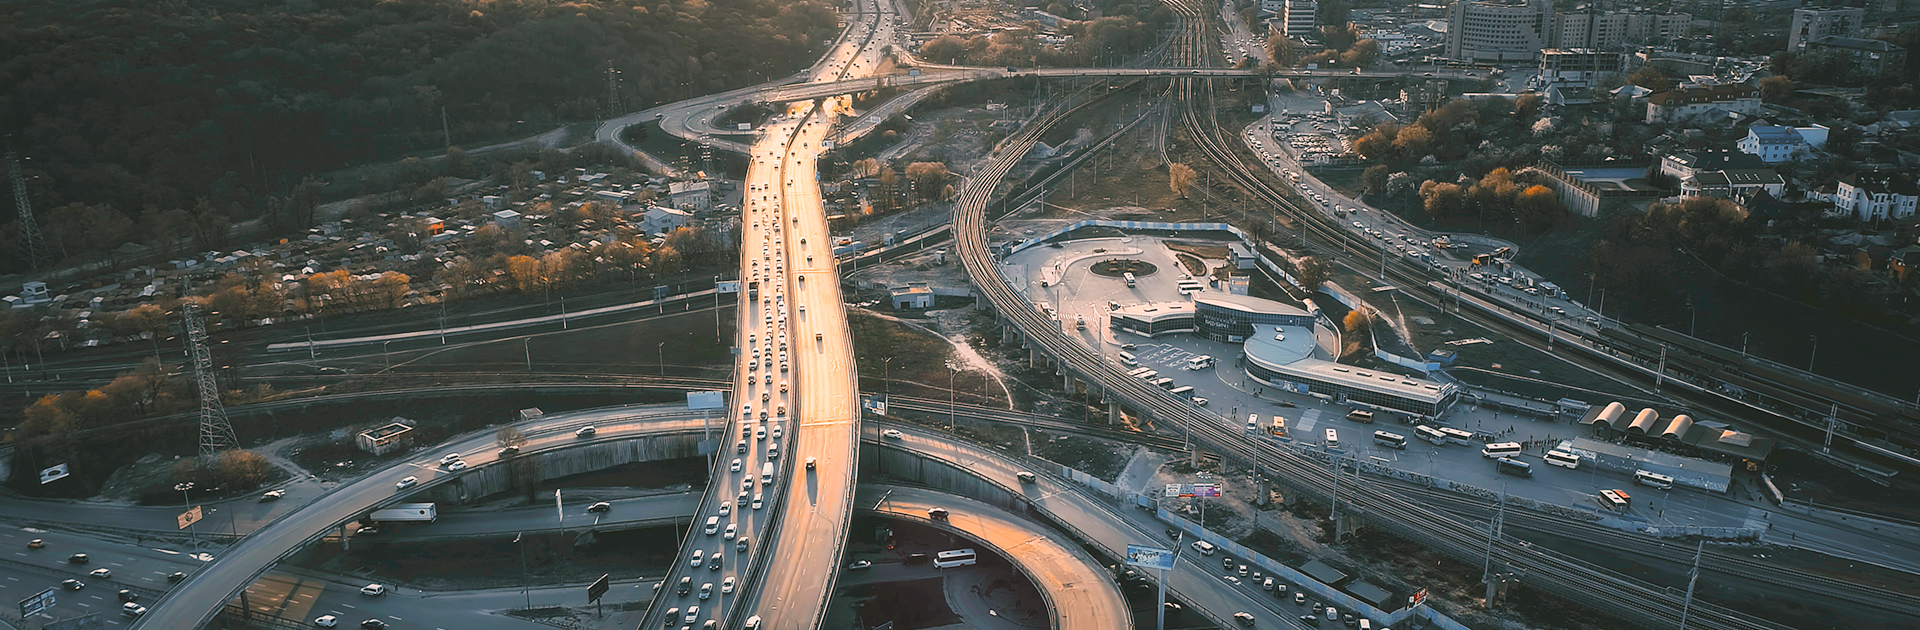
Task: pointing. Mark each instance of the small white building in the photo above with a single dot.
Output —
(914, 295)
(1774, 144)
(693, 196)
(494, 202)
(506, 219)
(658, 220)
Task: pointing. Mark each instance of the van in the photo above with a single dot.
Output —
(1656, 480)
(686, 586)
(1025, 477)
(1127, 358)
(1511, 466)
(1562, 459)
(1500, 449)
(1205, 548)
(713, 525)
(766, 473)
(1253, 424)
(1362, 417)
(1333, 438)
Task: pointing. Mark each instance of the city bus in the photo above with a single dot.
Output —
(1127, 358)
(1279, 427)
(1430, 434)
(1183, 391)
(1200, 362)
(1253, 423)
(1390, 440)
(1457, 436)
(1129, 277)
(953, 558)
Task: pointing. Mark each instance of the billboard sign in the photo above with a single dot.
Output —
(707, 400)
(729, 286)
(875, 405)
(53, 474)
(598, 588)
(1191, 490)
(189, 517)
(1150, 557)
(36, 603)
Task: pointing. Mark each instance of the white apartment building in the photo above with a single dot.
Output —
(1498, 32)
(1877, 195)
(1615, 30)
(1300, 18)
(1812, 24)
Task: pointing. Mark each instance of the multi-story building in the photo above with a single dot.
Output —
(1811, 24)
(1615, 30)
(1867, 57)
(1498, 32)
(1877, 195)
(1579, 66)
(1688, 103)
(1774, 144)
(1300, 18)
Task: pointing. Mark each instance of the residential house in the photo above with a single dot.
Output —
(1733, 183)
(693, 196)
(657, 220)
(1569, 96)
(1702, 102)
(1683, 165)
(1877, 195)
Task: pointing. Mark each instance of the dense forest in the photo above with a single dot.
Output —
(127, 113)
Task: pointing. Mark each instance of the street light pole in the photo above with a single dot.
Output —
(524, 578)
(951, 373)
(1814, 353)
(660, 356)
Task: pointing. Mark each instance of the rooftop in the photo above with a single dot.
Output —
(1280, 344)
(1247, 303)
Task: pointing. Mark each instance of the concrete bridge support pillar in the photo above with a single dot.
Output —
(1113, 412)
(1067, 384)
(1034, 358)
(1262, 491)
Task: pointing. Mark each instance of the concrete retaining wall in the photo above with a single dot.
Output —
(490, 480)
(912, 468)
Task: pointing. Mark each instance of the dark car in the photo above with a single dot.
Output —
(79, 558)
(72, 585)
(1173, 533)
(129, 596)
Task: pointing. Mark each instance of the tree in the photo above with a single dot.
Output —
(1375, 179)
(508, 436)
(927, 178)
(1313, 273)
(240, 469)
(1651, 78)
(945, 48)
(1280, 51)
(1180, 177)
(1413, 141)
(1776, 89)
(1441, 199)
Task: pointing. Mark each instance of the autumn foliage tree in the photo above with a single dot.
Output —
(1180, 177)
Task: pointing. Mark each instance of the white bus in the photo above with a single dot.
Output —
(1430, 434)
(1563, 459)
(1390, 440)
(1162, 382)
(1127, 358)
(1129, 277)
(1656, 480)
(1457, 436)
(953, 558)
(1200, 362)
(1500, 449)
(1333, 438)
(1183, 391)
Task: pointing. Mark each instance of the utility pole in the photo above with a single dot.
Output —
(31, 241)
(613, 91)
(446, 132)
(1693, 575)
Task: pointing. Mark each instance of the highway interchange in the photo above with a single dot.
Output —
(800, 306)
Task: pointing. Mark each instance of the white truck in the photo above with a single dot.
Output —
(405, 513)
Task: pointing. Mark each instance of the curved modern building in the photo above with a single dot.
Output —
(1279, 343)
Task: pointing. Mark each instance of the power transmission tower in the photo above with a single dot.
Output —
(30, 238)
(216, 434)
(613, 92)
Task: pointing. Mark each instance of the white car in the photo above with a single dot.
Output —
(725, 508)
(699, 557)
(756, 501)
(373, 590)
(457, 465)
(735, 467)
(726, 585)
(326, 621)
(101, 573)
(406, 483)
(892, 433)
(449, 458)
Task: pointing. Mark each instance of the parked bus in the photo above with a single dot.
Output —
(1183, 391)
(953, 558)
(1430, 434)
(1162, 382)
(1127, 358)
(1562, 459)
(1457, 436)
(1200, 362)
(1253, 423)
(1129, 277)
(1615, 500)
(1390, 440)
(1333, 438)
(1656, 480)
(1279, 427)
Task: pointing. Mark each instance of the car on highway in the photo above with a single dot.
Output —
(373, 624)
(1243, 618)
(706, 590)
(584, 432)
(36, 544)
(79, 558)
(860, 564)
(102, 573)
(176, 577)
(131, 609)
(741, 546)
(373, 590)
(699, 558)
(326, 621)
(449, 458)
(457, 465)
(756, 501)
(406, 483)
(272, 495)
(510, 451)
(602, 506)
(809, 463)
(72, 584)
(892, 434)
(127, 595)
(693, 614)
(735, 466)
(1205, 548)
